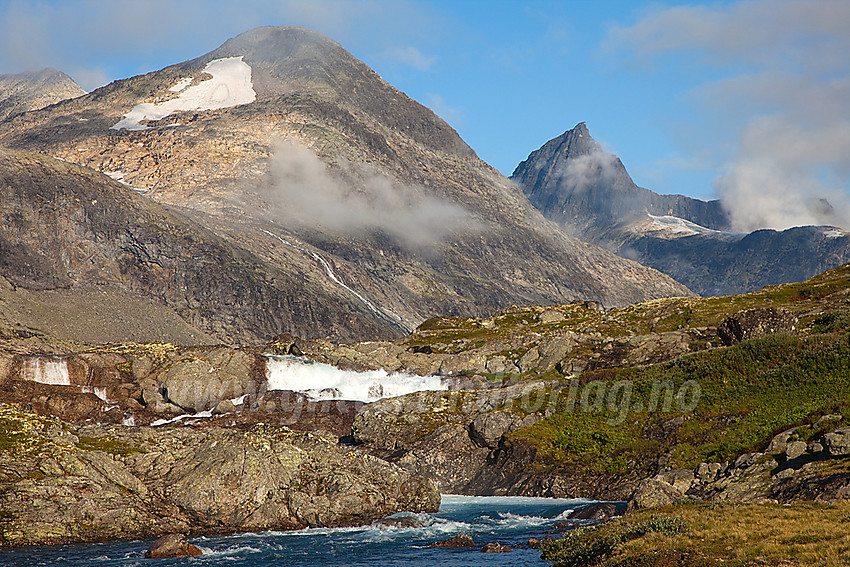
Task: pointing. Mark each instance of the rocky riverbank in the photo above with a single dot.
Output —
(61, 483)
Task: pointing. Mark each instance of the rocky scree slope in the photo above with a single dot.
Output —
(588, 192)
(33, 90)
(360, 135)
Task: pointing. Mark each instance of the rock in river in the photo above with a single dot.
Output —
(171, 546)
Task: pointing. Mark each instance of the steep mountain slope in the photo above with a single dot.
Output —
(33, 90)
(284, 143)
(101, 263)
(587, 191)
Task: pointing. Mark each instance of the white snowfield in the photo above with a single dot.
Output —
(678, 226)
(181, 84)
(230, 86)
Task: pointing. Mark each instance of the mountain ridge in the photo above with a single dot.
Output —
(558, 184)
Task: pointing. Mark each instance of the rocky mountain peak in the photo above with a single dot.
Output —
(362, 162)
(281, 44)
(291, 60)
(577, 184)
(556, 152)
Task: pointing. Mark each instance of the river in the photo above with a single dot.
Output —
(508, 520)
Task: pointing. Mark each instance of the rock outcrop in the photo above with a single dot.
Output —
(460, 540)
(789, 470)
(62, 484)
(496, 547)
(755, 323)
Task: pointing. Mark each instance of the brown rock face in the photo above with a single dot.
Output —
(460, 540)
(494, 547)
(171, 546)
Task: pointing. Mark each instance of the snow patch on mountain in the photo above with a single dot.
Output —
(181, 84)
(681, 227)
(119, 177)
(230, 86)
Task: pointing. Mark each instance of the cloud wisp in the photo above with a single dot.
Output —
(784, 100)
(357, 201)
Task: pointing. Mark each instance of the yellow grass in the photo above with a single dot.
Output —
(736, 535)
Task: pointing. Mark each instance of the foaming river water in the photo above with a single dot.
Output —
(507, 520)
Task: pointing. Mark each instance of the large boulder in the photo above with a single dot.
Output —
(553, 350)
(595, 511)
(780, 442)
(201, 381)
(652, 493)
(755, 323)
(838, 442)
(795, 449)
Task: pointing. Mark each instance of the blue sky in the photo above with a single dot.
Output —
(748, 99)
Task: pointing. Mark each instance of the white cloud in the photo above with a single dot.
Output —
(783, 101)
(409, 55)
(356, 200)
(761, 32)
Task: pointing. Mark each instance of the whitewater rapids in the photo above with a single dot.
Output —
(326, 382)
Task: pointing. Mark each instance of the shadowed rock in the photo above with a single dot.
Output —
(460, 540)
(755, 323)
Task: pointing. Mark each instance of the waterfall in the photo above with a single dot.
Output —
(380, 313)
(326, 382)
